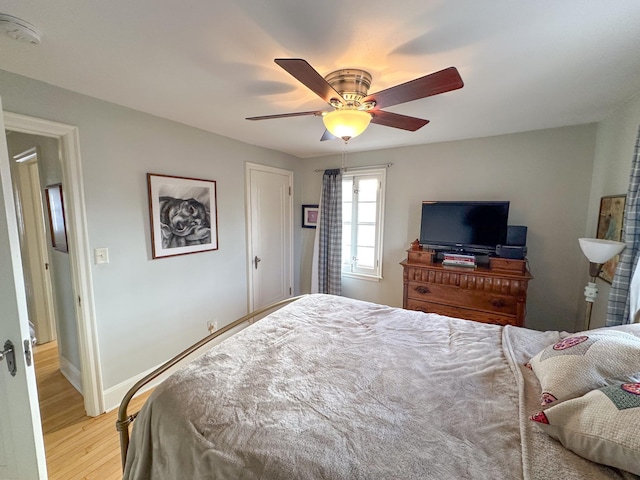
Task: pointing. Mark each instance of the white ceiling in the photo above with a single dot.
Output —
(526, 64)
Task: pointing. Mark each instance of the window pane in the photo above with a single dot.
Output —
(346, 233)
(366, 235)
(366, 213)
(346, 212)
(347, 188)
(346, 254)
(366, 257)
(368, 190)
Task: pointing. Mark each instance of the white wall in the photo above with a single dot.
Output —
(148, 310)
(546, 175)
(615, 142)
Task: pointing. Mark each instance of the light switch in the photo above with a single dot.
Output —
(101, 255)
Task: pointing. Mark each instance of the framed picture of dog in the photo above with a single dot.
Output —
(184, 217)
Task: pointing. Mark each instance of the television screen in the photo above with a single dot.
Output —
(481, 225)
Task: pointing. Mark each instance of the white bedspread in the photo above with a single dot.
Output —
(332, 388)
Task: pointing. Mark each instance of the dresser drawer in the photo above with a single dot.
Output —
(457, 312)
(450, 295)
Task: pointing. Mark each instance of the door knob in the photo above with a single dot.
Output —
(10, 355)
(256, 260)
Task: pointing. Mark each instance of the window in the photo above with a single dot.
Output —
(362, 216)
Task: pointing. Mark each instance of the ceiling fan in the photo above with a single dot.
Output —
(347, 92)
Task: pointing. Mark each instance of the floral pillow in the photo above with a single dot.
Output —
(601, 426)
(586, 361)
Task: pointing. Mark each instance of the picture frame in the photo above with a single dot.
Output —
(310, 216)
(55, 211)
(610, 224)
(183, 213)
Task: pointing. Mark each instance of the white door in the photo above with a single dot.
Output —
(21, 444)
(270, 228)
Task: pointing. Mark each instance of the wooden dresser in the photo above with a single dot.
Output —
(493, 294)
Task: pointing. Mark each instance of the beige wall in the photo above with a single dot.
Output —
(546, 175)
(615, 141)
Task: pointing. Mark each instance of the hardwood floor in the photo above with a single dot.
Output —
(77, 446)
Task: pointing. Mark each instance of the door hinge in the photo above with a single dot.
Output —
(289, 191)
(79, 301)
(289, 290)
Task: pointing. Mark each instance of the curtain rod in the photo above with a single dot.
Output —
(346, 169)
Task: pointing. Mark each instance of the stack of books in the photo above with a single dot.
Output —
(459, 260)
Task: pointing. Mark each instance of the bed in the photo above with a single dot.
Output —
(333, 388)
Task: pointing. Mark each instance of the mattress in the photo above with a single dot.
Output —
(333, 388)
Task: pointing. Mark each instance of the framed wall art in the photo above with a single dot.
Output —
(309, 216)
(184, 217)
(610, 221)
(57, 225)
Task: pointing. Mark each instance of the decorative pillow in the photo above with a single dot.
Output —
(632, 328)
(601, 426)
(585, 361)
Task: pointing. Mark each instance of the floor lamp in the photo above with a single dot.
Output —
(597, 252)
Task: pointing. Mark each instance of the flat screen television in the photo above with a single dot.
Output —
(464, 226)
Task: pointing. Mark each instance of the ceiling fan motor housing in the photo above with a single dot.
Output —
(352, 84)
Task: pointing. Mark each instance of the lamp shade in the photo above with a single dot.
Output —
(598, 250)
(346, 123)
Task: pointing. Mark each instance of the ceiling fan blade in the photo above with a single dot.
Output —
(316, 113)
(432, 84)
(396, 120)
(310, 78)
(327, 135)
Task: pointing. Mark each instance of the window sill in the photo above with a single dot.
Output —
(360, 276)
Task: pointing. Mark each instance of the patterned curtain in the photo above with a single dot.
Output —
(330, 234)
(619, 307)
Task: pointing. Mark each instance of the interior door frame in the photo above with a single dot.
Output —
(248, 214)
(79, 252)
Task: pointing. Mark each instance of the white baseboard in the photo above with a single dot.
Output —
(114, 395)
(71, 373)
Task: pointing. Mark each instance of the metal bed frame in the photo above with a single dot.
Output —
(124, 419)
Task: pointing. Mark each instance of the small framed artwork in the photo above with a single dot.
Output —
(309, 216)
(57, 225)
(184, 217)
(610, 222)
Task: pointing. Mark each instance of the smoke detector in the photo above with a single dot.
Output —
(20, 30)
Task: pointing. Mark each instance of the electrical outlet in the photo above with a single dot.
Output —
(212, 326)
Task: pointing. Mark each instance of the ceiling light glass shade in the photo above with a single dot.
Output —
(346, 123)
(600, 251)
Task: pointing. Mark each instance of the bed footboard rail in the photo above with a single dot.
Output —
(124, 419)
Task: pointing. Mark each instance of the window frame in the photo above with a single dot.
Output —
(348, 268)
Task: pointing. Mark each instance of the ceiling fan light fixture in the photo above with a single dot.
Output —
(346, 123)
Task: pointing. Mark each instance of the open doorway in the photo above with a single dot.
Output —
(36, 174)
(35, 170)
(68, 142)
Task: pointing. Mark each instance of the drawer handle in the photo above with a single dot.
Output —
(497, 302)
(422, 289)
